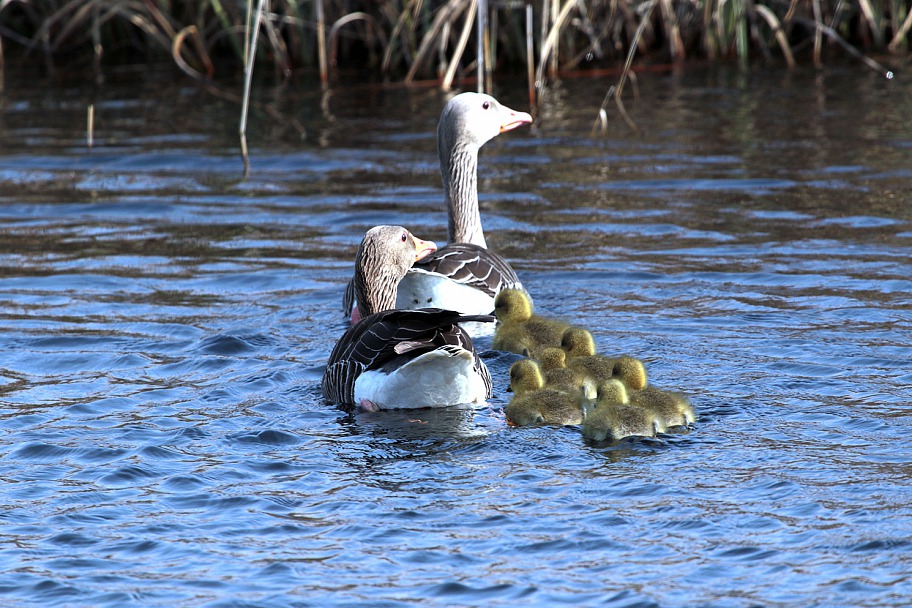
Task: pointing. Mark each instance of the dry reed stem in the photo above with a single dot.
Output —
(617, 90)
(672, 31)
(90, 125)
(550, 43)
(868, 11)
(321, 41)
(901, 33)
(248, 78)
(781, 38)
(851, 50)
(177, 45)
(400, 22)
(452, 9)
(460, 47)
(345, 20)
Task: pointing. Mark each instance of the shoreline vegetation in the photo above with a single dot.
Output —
(445, 41)
(439, 39)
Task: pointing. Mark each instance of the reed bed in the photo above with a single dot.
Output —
(442, 40)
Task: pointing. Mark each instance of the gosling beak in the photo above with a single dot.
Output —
(513, 119)
(423, 248)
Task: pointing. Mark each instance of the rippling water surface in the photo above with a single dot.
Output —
(164, 324)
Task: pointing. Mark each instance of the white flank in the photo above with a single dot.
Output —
(435, 379)
(421, 289)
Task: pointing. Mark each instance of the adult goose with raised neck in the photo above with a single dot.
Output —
(401, 358)
(463, 275)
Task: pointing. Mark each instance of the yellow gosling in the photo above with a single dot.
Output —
(579, 347)
(674, 409)
(545, 406)
(521, 331)
(614, 418)
(525, 376)
(552, 361)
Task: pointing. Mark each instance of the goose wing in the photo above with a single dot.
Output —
(472, 265)
(385, 338)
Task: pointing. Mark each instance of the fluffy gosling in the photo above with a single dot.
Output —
(545, 406)
(521, 331)
(579, 347)
(614, 418)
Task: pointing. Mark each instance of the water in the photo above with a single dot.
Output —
(164, 323)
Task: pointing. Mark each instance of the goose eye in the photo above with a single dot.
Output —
(486, 105)
(404, 237)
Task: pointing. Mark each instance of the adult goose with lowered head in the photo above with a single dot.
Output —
(463, 275)
(401, 358)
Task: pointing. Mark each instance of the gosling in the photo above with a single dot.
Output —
(579, 347)
(545, 406)
(521, 331)
(614, 418)
(553, 363)
(673, 409)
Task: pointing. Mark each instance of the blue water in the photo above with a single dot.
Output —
(164, 324)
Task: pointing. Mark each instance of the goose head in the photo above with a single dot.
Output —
(386, 253)
(467, 122)
(473, 119)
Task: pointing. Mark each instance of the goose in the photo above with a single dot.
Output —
(464, 275)
(401, 358)
(545, 406)
(613, 417)
(521, 331)
(580, 349)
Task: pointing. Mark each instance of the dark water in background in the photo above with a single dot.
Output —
(163, 326)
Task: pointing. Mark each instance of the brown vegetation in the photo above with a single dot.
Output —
(407, 39)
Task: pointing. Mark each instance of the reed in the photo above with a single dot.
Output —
(412, 39)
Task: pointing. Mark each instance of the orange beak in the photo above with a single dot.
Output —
(423, 248)
(513, 119)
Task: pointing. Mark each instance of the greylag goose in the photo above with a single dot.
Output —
(401, 358)
(463, 275)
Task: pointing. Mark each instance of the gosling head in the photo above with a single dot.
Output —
(631, 371)
(611, 393)
(512, 306)
(552, 358)
(524, 412)
(525, 376)
(577, 342)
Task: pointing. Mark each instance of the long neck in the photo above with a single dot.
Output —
(375, 290)
(459, 168)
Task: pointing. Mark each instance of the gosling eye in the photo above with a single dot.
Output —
(485, 105)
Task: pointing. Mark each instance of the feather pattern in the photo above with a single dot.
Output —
(471, 265)
(382, 338)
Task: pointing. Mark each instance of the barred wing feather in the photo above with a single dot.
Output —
(379, 339)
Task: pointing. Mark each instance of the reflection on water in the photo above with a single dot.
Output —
(165, 324)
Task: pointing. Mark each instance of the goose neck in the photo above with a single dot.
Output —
(460, 185)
